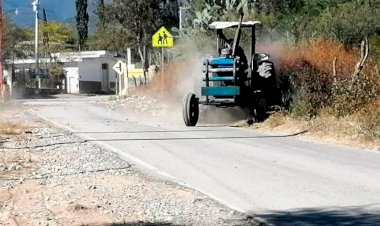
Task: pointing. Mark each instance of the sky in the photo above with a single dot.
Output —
(56, 10)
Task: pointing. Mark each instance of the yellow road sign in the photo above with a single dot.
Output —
(162, 39)
(134, 73)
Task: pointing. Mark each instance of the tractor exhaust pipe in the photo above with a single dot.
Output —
(237, 36)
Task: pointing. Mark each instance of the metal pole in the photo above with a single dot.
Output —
(35, 9)
(12, 73)
(180, 21)
(117, 84)
(1, 52)
(162, 70)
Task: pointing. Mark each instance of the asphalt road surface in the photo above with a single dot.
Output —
(280, 179)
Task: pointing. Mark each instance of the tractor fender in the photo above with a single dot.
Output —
(265, 69)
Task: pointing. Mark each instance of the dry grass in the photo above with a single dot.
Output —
(310, 65)
(327, 128)
(367, 120)
(336, 107)
(276, 120)
(13, 124)
(10, 121)
(9, 128)
(320, 54)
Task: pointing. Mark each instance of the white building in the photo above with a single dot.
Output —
(93, 73)
(86, 72)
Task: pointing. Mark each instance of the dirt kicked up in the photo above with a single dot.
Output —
(50, 177)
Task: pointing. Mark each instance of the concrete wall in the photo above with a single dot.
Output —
(91, 77)
(90, 87)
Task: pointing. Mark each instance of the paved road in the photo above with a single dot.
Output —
(281, 179)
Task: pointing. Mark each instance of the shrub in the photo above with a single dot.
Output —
(310, 68)
(300, 109)
(368, 118)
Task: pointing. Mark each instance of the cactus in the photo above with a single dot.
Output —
(215, 8)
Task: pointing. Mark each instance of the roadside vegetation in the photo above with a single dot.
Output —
(327, 83)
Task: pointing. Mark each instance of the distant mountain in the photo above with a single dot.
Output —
(56, 10)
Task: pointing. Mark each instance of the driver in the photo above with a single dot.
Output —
(230, 42)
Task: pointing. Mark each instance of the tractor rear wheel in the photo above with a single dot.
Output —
(190, 110)
(257, 108)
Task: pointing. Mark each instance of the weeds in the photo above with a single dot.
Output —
(322, 75)
(7, 128)
(326, 89)
(275, 120)
(368, 120)
(300, 109)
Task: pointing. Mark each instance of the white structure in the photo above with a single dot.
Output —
(72, 80)
(93, 74)
(86, 72)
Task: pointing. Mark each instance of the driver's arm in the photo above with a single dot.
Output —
(220, 35)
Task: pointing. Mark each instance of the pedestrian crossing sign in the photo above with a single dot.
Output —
(162, 39)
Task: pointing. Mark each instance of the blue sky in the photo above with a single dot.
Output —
(60, 10)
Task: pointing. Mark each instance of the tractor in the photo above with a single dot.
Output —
(231, 79)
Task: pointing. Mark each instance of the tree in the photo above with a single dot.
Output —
(349, 22)
(59, 35)
(110, 38)
(45, 34)
(100, 13)
(140, 19)
(82, 19)
(13, 36)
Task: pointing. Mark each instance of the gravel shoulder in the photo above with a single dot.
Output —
(51, 177)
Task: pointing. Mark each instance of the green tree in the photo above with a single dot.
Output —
(139, 19)
(100, 13)
(349, 22)
(13, 38)
(82, 19)
(58, 37)
(110, 38)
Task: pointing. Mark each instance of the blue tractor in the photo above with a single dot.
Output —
(232, 79)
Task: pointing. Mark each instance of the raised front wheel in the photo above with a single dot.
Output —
(190, 110)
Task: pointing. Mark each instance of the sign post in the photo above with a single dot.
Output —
(119, 67)
(162, 69)
(1, 52)
(162, 39)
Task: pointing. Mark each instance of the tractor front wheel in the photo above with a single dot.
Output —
(190, 109)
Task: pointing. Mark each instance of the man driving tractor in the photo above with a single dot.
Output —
(229, 42)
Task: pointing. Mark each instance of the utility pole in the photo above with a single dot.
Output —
(1, 52)
(181, 19)
(35, 9)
